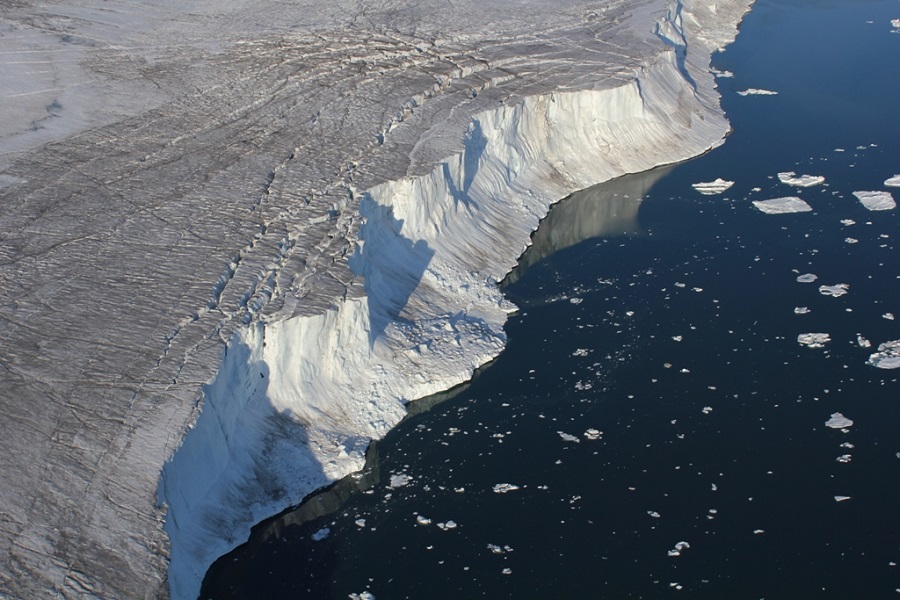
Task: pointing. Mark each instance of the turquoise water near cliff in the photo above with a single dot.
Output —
(653, 390)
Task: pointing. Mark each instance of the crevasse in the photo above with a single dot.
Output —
(296, 401)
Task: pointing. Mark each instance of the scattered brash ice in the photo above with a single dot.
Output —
(813, 340)
(781, 206)
(791, 178)
(712, 187)
(876, 200)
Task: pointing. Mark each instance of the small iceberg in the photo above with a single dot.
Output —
(813, 340)
(838, 421)
(791, 178)
(887, 357)
(892, 181)
(757, 92)
(782, 206)
(836, 290)
(807, 278)
(711, 188)
(876, 200)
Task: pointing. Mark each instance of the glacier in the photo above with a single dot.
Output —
(238, 241)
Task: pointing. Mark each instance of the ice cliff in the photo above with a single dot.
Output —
(215, 300)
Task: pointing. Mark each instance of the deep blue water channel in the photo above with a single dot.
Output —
(670, 336)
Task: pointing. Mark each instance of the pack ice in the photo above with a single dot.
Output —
(237, 238)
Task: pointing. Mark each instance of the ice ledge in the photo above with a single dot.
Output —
(298, 397)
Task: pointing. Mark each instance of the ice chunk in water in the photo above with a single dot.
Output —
(593, 434)
(362, 596)
(887, 357)
(757, 92)
(676, 551)
(568, 437)
(807, 278)
(838, 421)
(892, 181)
(781, 206)
(423, 520)
(814, 340)
(710, 188)
(876, 200)
(400, 480)
(836, 290)
(791, 178)
(841, 498)
(502, 488)
(801, 310)
(321, 534)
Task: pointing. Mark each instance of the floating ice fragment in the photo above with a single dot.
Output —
(838, 421)
(876, 200)
(848, 222)
(568, 437)
(807, 278)
(507, 571)
(362, 596)
(321, 534)
(791, 178)
(360, 522)
(841, 498)
(801, 310)
(888, 316)
(422, 520)
(863, 342)
(813, 340)
(896, 24)
(576, 300)
(836, 290)
(758, 531)
(581, 352)
(677, 338)
(843, 458)
(447, 525)
(706, 410)
(653, 514)
(781, 206)
(726, 74)
(676, 551)
(502, 488)
(593, 434)
(851, 240)
(757, 92)
(887, 357)
(710, 188)
(892, 181)
(399, 480)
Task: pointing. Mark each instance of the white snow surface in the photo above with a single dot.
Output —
(876, 200)
(237, 240)
(781, 206)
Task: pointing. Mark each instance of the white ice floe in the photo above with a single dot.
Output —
(568, 437)
(448, 525)
(896, 24)
(837, 290)
(844, 458)
(801, 310)
(807, 278)
(892, 181)
(593, 434)
(887, 357)
(360, 522)
(653, 514)
(781, 206)
(706, 410)
(362, 596)
(423, 520)
(851, 240)
(791, 178)
(399, 480)
(863, 342)
(757, 92)
(848, 222)
(581, 352)
(679, 547)
(838, 421)
(841, 498)
(724, 73)
(888, 316)
(712, 187)
(813, 340)
(321, 534)
(503, 488)
(876, 200)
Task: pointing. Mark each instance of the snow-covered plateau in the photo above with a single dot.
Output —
(237, 240)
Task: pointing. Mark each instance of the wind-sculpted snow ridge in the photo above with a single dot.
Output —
(251, 272)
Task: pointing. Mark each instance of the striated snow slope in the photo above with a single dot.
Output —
(236, 241)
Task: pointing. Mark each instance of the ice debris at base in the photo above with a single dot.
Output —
(781, 206)
(679, 547)
(807, 278)
(712, 187)
(503, 488)
(814, 340)
(757, 92)
(836, 290)
(838, 421)
(887, 357)
(791, 178)
(876, 200)
(892, 181)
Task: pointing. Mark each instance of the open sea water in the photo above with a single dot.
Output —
(655, 428)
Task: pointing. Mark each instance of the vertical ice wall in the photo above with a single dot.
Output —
(297, 399)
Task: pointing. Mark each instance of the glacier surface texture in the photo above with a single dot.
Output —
(238, 236)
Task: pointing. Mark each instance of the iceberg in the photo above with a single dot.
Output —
(238, 241)
(782, 206)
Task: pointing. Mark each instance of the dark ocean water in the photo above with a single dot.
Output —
(653, 390)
